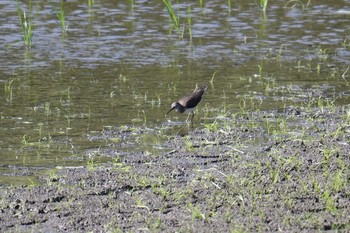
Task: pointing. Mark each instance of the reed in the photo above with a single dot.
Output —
(26, 23)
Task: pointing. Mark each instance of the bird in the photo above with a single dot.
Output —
(188, 103)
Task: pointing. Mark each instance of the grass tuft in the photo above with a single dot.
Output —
(26, 23)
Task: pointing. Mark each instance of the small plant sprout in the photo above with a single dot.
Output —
(69, 96)
(339, 181)
(344, 74)
(144, 117)
(329, 201)
(41, 125)
(47, 109)
(212, 78)
(9, 90)
(195, 212)
(91, 165)
(24, 140)
(295, 3)
(188, 144)
(212, 126)
(260, 70)
(318, 68)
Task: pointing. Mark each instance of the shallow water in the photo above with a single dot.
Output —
(121, 64)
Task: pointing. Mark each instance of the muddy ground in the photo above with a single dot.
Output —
(256, 172)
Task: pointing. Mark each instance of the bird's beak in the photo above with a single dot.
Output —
(169, 111)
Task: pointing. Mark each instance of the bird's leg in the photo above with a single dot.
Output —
(188, 116)
(192, 115)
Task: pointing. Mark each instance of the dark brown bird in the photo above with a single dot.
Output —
(188, 103)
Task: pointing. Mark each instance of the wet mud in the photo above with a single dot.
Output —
(269, 171)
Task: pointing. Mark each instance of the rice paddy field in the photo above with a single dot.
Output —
(85, 144)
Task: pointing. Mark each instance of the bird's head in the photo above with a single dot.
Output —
(173, 106)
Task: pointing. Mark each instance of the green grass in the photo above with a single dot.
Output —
(200, 3)
(189, 21)
(295, 3)
(173, 17)
(213, 77)
(263, 4)
(61, 18)
(26, 23)
(229, 4)
(9, 91)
